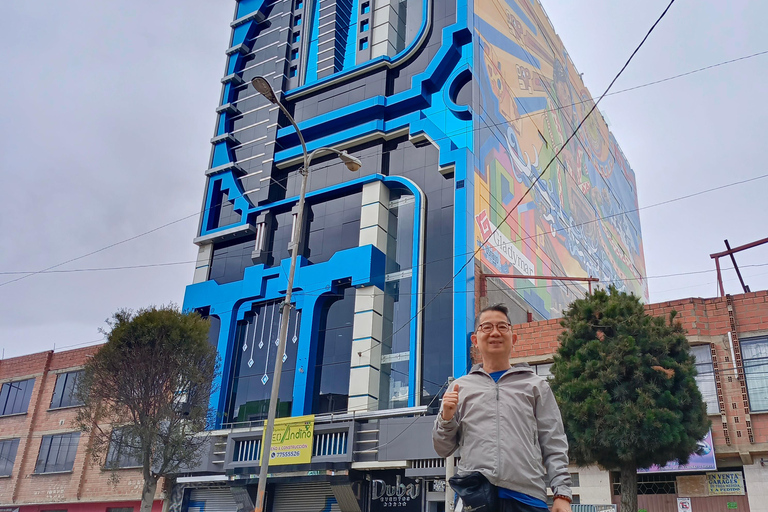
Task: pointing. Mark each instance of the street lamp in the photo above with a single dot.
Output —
(353, 164)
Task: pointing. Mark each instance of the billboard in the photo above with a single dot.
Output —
(703, 462)
(292, 440)
(580, 218)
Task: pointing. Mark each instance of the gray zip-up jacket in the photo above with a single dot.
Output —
(510, 431)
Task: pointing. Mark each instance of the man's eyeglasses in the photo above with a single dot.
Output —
(487, 327)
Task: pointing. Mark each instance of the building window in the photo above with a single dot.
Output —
(57, 453)
(754, 353)
(65, 392)
(296, 37)
(299, 4)
(294, 54)
(365, 8)
(14, 396)
(292, 72)
(8, 449)
(364, 43)
(364, 26)
(705, 378)
(543, 370)
(249, 390)
(334, 352)
(123, 450)
(297, 21)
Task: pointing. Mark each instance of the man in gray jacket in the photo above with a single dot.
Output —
(507, 424)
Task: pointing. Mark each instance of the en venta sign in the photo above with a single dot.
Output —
(726, 483)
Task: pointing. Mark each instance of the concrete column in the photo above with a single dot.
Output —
(756, 482)
(384, 35)
(367, 330)
(594, 486)
(260, 253)
(203, 264)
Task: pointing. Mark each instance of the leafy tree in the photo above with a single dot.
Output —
(146, 393)
(625, 382)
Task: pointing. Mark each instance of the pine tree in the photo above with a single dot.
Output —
(625, 382)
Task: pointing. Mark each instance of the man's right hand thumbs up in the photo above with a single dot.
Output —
(450, 402)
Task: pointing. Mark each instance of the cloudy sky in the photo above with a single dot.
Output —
(108, 109)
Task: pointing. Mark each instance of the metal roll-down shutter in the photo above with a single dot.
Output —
(212, 500)
(305, 497)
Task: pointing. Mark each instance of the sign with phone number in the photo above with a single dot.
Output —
(292, 441)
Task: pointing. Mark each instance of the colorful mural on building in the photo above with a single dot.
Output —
(580, 218)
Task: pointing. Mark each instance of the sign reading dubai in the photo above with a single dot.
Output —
(402, 493)
(505, 248)
(292, 441)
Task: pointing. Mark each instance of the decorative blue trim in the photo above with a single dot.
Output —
(423, 110)
(460, 77)
(373, 63)
(311, 73)
(246, 11)
(306, 355)
(363, 265)
(417, 276)
(368, 116)
(350, 53)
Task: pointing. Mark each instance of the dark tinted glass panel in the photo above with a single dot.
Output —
(333, 226)
(213, 331)
(334, 351)
(8, 456)
(57, 453)
(395, 390)
(420, 164)
(401, 229)
(222, 212)
(65, 392)
(14, 396)
(254, 364)
(230, 259)
(282, 231)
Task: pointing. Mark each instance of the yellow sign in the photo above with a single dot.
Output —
(726, 483)
(292, 440)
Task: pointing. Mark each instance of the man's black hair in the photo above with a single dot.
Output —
(501, 308)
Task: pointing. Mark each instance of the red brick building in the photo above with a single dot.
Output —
(729, 337)
(44, 464)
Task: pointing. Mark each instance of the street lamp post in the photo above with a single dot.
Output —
(353, 164)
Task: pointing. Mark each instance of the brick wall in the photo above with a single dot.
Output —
(87, 482)
(707, 321)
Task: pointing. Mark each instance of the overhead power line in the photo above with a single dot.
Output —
(698, 70)
(95, 269)
(538, 177)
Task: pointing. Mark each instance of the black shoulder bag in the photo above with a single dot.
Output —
(476, 492)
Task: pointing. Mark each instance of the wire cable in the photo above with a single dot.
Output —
(698, 70)
(538, 177)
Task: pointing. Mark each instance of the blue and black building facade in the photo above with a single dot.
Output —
(384, 296)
